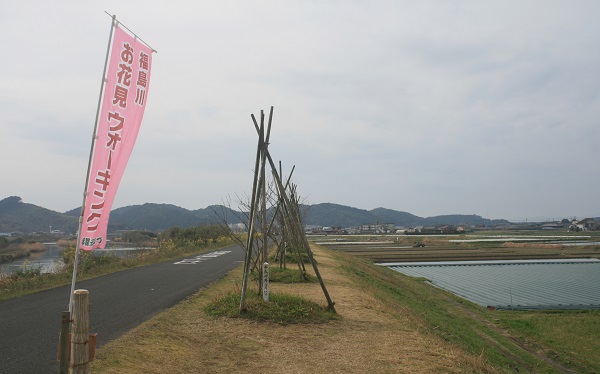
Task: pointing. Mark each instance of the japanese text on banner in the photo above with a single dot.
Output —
(123, 104)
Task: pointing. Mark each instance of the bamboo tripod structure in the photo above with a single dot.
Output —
(287, 207)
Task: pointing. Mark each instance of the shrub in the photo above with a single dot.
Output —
(196, 236)
(24, 271)
(87, 259)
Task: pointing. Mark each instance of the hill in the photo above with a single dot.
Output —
(158, 217)
(17, 216)
(328, 214)
(20, 217)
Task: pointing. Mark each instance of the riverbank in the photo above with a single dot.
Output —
(388, 323)
(20, 251)
(32, 280)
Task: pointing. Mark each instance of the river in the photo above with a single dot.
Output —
(48, 261)
(51, 259)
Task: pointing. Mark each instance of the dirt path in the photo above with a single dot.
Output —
(369, 337)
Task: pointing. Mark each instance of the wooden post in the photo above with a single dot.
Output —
(80, 332)
(64, 348)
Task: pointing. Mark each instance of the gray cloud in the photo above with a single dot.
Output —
(428, 107)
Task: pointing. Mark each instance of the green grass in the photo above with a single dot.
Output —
(289, 276)
(29, 282)
(571, 337)
(281, 309)
(291, 256)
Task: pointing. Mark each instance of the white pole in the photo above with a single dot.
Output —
(87, 176)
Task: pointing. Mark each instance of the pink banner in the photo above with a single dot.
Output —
(123, 104)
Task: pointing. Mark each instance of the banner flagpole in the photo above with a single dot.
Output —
(87, 177)
(134, 34)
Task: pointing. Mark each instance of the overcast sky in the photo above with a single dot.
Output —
(429, 107)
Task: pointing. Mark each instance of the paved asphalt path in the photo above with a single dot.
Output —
(30, 325)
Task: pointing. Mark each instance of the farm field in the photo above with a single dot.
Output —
(568, 336)
(497, 245)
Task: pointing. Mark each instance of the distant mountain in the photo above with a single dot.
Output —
(462, 219)
(152, 217)
(158, 217)
(17, 216)
(392, 216)
(73, 212)
(328, 214)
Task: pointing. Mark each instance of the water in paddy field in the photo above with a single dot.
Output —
(520, 284)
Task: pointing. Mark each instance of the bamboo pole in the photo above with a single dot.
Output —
(80, 333)
(89, 167)
(264, 178)
(251, 221)
(263, 215)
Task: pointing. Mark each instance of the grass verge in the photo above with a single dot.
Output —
(540, 341)
(439, 313)
(278, 275)
(281, 309)
(569, 337)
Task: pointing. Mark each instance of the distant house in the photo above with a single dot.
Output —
(379, 227)
(429, 230)
(439, 229)
(327, 230)
(586, 224)
(413, 230)
(353, 230)
(552, 226)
